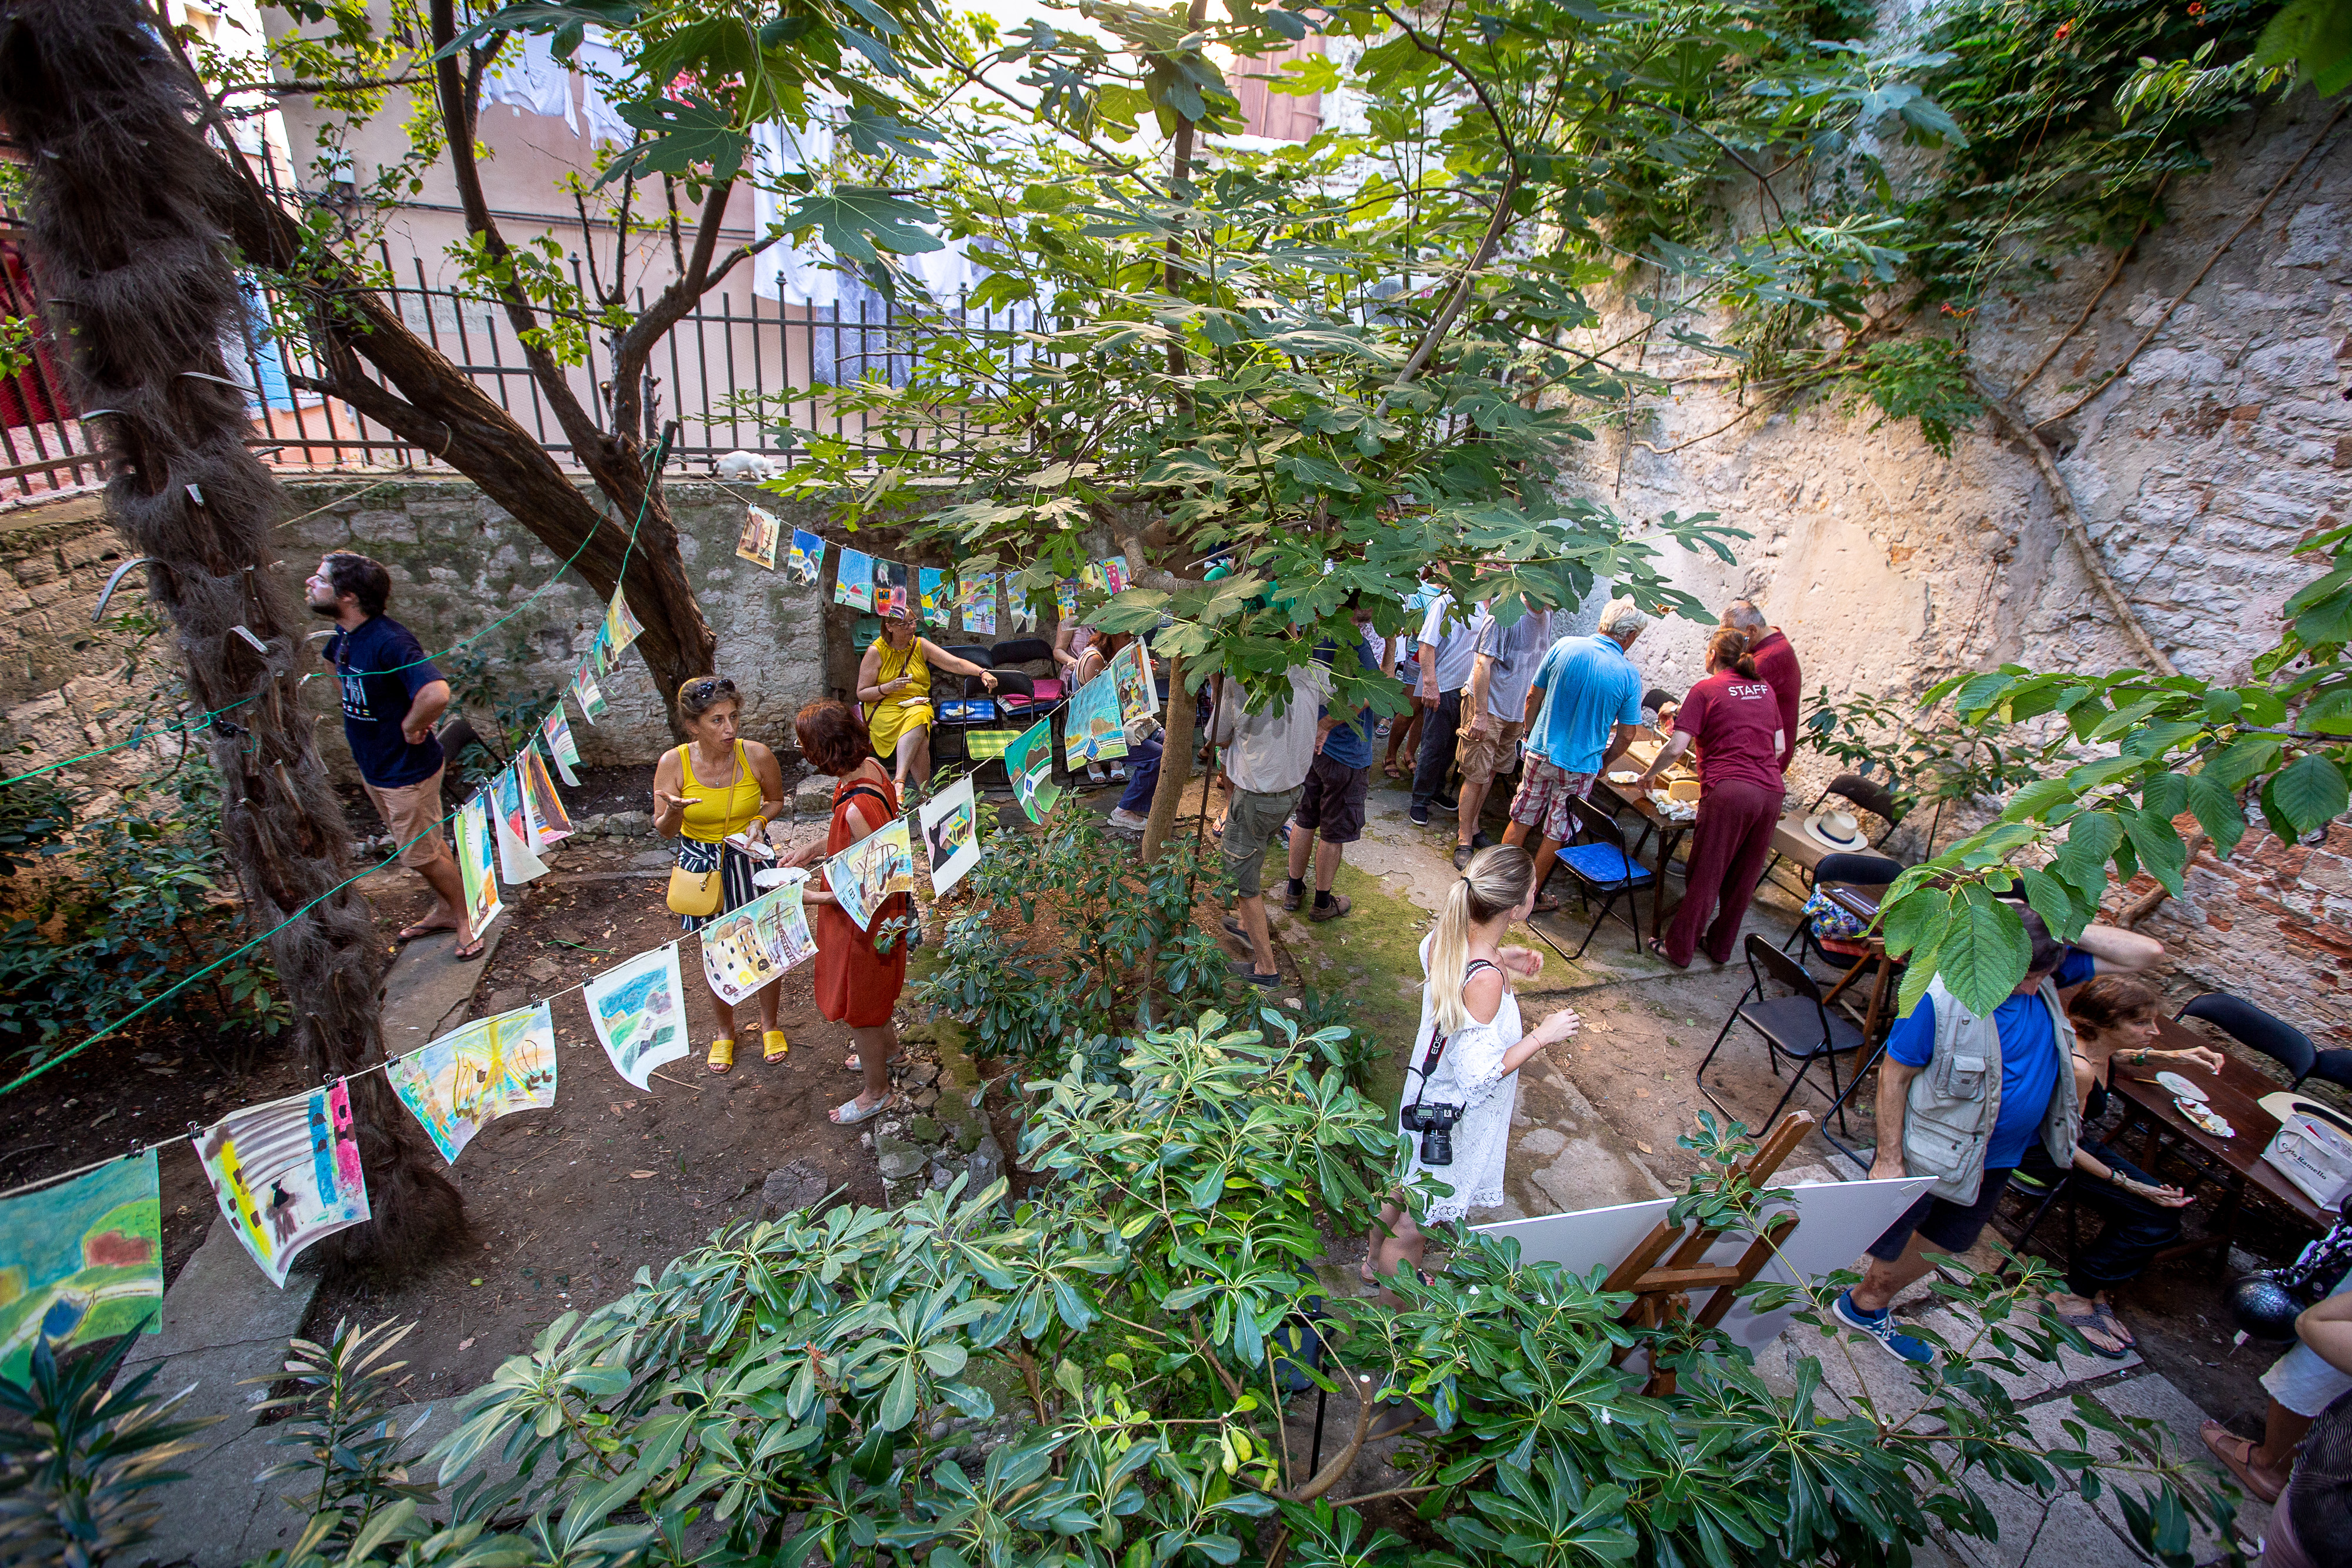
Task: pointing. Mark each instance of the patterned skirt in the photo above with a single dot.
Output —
(735, 889)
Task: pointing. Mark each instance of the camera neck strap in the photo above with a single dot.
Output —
(1436, 1052)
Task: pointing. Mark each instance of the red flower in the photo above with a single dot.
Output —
(2197, 8)
(2064, 28)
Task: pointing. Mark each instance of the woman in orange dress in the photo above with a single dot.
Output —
(855, 983)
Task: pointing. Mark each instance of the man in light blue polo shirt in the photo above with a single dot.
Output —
(1583, 708)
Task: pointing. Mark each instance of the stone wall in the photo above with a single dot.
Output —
(2226, 443)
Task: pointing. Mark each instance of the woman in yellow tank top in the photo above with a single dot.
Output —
(712, 788)
(894, 682)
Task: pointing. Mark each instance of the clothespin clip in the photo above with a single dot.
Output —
(195, 494)
(242, 630)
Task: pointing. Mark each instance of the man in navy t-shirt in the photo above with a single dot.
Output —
(2033, 1070)
(1331, 814)
(392, 694)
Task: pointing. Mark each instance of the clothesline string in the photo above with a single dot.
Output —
(23, 1078)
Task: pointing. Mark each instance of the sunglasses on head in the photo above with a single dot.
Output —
(708, 685)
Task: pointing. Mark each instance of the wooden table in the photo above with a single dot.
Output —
(2233, 1093)
(1670, 837)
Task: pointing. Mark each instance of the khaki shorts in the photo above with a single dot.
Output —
(1251, 823)
(1498, 752)
(413, 812)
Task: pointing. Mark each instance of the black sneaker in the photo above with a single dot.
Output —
(1247, 970)
(1418, 815)
(1479, 840)
(1446, 802)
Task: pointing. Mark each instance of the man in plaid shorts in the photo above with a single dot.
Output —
(1583, 708)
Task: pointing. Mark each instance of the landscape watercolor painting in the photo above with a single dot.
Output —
(80, 1260)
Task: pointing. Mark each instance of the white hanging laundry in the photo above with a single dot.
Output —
(604, 121)
(530, 78)
(791, 274)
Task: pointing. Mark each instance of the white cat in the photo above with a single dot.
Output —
(745, 466)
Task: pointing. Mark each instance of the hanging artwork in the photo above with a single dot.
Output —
(510, 823)
(950, 834)
(621, 628)
(1065, 597)
(976, 597)
(547, 813)
(1138, 693)
(1093, 729)
(892, 593)
(638, 1009)
(804, 565)
(931, 585)
(477, 1073)
(1114, 574)
(80, 1260)
(476, 857)
(1029, 763)
(584, 691)
(853, 578)
(746, 949)
(286, 1173)
(757, 542)
(556, 731)
(601, 654)
(869, 870)
(1091, 576)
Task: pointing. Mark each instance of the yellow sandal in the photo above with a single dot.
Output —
(775, 1047)
(722, 1054)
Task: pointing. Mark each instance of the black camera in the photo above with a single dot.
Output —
(1436, 1125)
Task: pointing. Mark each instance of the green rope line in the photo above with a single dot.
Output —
(103, 1031)
(141, 736)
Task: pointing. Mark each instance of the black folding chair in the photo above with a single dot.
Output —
(1012, 708)
(1601, 866)
(1797, 1025)
(2256, 1029)
(1853, 870)
(2044, 1193)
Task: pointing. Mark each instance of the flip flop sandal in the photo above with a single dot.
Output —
(2086, 1324)
(774, 1047)
(722, 1054)
(408, 934)
(2115, 1326)
(1658, 952)
(1546, 904)
(2238, 1454)
(850, 1112)
(462, 955)
(851, 1063)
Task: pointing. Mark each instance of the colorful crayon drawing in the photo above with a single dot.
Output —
(865, 874)
(757, 542)
(1065, 597)
(1138, 693)
(512, 824)
(891, 590)
(748, 948)
(601, 656)
(804, 565)
(477, 1073)
(475, 856)
(1092, 729)
(1114, 575)
(1091, 576)
(1029, 762)
(286, 1173)
(930, 586)
(586, 693)
(977, 597)
(548, 815)
(557, 731)
(638, 1009)
(80, 1260)
(621, 628)
(853, 578)
(950, 834)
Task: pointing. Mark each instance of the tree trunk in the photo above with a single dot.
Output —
(127, 250)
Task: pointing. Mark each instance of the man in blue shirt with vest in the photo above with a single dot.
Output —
(1933, 1093)
(1584, 708)
(392, 695)
(1331, 814)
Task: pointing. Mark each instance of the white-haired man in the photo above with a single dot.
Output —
(1583, 709)
(1776, 661)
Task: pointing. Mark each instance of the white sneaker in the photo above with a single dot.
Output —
(1126, 821)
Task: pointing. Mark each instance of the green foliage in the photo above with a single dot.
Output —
(144, 896)
(478, 687)
(2316, 37)
(1929, 756)
(1123, 950)
(1099, 1379)
(1927, 381)
(79, 1463)
(35, 815)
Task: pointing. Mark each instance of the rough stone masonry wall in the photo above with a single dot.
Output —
(2227, 442)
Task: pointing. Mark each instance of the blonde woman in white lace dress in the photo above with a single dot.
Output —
(1465, 995)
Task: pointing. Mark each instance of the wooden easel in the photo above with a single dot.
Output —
(1662, 1291)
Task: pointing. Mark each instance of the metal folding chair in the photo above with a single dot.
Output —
(1603, 866)
(1798, 1026)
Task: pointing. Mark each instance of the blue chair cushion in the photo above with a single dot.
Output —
(1605, 866)
(977, 710)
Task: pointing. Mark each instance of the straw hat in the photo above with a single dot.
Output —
(1838, 830)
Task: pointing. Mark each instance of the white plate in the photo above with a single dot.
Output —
(2205, 1117)
(757, 851)
(780, 876)
(1622, 777)
(2179, 1085)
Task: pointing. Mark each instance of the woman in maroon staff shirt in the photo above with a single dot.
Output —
(1735, 718)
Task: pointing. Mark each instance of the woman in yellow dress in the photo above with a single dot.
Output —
(894, 682)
